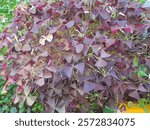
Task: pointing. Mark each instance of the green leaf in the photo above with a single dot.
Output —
(13, 110)
(130, 104)
(142, 102)
(94, 106)
(28, 110)
(27, 2)
(34, 109)
(108, 110)
(1, 109)
(6, 100)
(11, 87)
(142, 1)
(145, 109)
(1, 102)
(135, 61)
(41, 108)
(5, 108)
(142, 74)
(4, 50)
(22, 109)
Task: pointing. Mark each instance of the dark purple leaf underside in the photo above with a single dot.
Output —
(134, 94)
(68, 71)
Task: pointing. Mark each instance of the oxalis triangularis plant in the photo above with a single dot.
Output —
(68, 49)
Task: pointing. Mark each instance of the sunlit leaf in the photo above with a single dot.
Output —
(30, 100)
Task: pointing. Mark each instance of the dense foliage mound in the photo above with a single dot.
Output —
(70, 49)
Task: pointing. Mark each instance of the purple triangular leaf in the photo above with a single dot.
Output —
(70, 24)
(110, 41)
(104, 14)
(101, 63)
(129, 44)
(80, 67)
(76, 58)
(141, 88)
(68, 71)
(52, 68)
(35, 29)
(104, 54)
(47, 74)
(79, 48)
(96, 48)
(68, 57)
(88, 41)
(61, 107)
(51, 102)
(78, 5)
(113, 74)
(131, 87)
(44, 53)
(53, 30)
(135, 95)
(40, 82)
(89, 86)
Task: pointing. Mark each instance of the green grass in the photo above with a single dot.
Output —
(7, 105)
(7, 8)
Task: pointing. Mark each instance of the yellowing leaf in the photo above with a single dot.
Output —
(42, 41)
(136, 61)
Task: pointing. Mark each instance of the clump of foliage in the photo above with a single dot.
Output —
(6, 101)
(142, 103)
(68, 49)
(7, 8)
